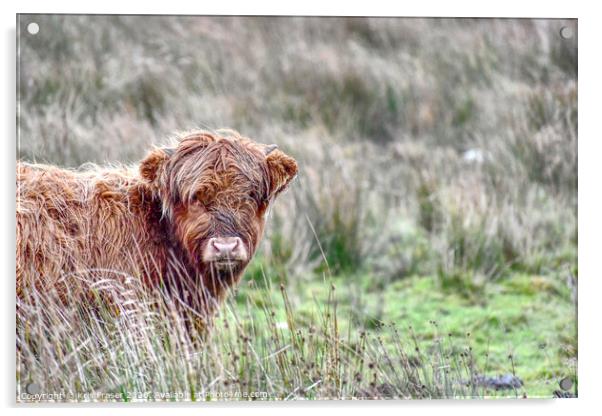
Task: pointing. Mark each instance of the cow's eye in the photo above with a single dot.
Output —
(197, 198)
(204, 195)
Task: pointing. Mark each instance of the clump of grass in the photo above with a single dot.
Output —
(116, 350)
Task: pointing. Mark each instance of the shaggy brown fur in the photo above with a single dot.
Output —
(153, 223)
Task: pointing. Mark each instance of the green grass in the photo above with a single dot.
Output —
(523, 324)
(319, 338)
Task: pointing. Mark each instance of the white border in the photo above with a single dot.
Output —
(590, 207)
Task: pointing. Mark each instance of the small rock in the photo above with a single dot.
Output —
(503, 382)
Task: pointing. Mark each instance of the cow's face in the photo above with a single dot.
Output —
(216, 192)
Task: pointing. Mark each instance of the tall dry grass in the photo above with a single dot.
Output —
(120, 350)
(456, 133)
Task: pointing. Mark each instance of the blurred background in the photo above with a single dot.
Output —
(438, 157)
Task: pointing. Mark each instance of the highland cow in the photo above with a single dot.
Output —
(189, 219)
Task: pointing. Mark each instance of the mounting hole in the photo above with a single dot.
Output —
(33, 28)
(566, 32)
(566, 384)
(32, 388)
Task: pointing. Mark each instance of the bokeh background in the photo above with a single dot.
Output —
(438, 158)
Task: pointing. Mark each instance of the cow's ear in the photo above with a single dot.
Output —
(282, 169)
(150, 166)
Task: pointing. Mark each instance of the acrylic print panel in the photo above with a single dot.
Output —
(291, 208)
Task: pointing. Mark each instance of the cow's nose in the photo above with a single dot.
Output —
(227, 248)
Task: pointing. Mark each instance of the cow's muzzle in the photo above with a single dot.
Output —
(225, 253)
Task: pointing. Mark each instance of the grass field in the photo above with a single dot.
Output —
(502, 325)
(430, 239)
